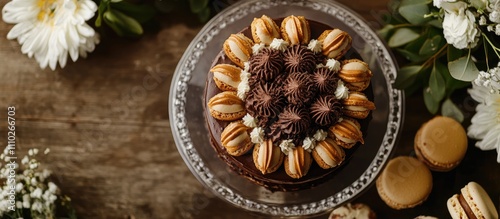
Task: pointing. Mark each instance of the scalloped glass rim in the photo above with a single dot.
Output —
(188, 149)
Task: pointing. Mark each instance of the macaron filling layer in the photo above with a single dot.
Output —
(468, 211)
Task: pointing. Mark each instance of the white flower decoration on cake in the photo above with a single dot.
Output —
(246, 66)
(257, 135)
(50, 31)
(286, 146)
(342, 91)
(257, 47)
(315, 46)
(320, 135)
(243, 87)
(279, 44)
(308, 144)
(320, 65)
(249, 121)
(333, 65)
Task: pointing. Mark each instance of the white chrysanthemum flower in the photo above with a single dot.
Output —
(485, 124)
(50, 30)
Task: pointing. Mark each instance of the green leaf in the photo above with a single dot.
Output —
(167, 6)
(412, 49)
(431, 104)
(452, 84)
(449, 109)
(100, 11)
(436, 23)
(463, 69)
(478, 4)
(414, 13)
(437, 83)
(456, 84)
(406, 76)
(198, 5)
(402, 36)
(431, 45)
(122, 24)
(412, 57)
(204, 15)
(386, 31)
(415, 2)
(140, 12)
(454, 53)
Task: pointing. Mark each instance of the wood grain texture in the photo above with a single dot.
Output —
(105, 119)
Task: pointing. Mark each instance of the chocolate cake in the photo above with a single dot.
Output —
(286, 105)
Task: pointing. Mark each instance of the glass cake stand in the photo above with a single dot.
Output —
(191, 135)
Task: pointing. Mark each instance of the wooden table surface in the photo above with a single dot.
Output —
(110, 138)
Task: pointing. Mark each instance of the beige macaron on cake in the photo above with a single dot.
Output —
(441, 143)
(472, 202)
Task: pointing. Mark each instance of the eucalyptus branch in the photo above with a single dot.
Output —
(495, 49)
(434, 57)
(486, 54)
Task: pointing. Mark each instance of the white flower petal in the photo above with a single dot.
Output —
(491, 140)
(18, 30)
(85, 30)
(51, 34)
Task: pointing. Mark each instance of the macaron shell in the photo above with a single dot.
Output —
(442, 141)
(455, 209)
(404, 183)
(479, 201)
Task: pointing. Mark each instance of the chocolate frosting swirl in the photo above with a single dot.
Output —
(325, 80)
(292, 123)
(299, 59)
(326, 110)
(299, 88)
(266, 64)
(264, 102)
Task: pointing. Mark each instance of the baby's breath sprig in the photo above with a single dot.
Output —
(36, 196)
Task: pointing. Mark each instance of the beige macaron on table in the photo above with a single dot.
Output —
(436, 168)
